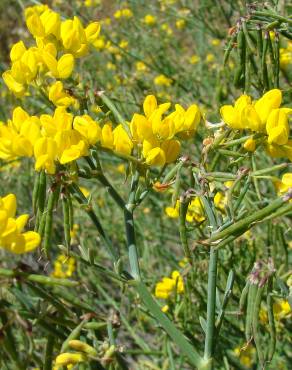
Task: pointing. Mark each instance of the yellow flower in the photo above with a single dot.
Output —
(157, 132)
(61, 68)
(285, 184)
(210, 58)
(250, 145)
(165, 308)
(195, 211)
(263, 316)
(121, 168)
(12, 237)
(166, 28)
(65, 359)
(180, 24)
(64, 266)
(74, 231)
(162, 80)
(215, 42)
(149, 19)
(246, 354)
(82, 347)
(194, 59)
(123, 13)
(173, 212)
(58, 96)
(141, 67)
(124, 44)
(263, 116)
(182, 263)
(281, 309)
(167, 287)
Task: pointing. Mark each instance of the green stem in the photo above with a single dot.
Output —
(247, 221)
(178, 338)
(211, 305)
(49, 353)
(119, 118)
(130, 229)
(272, 15)
(41, 279)
(182, 228)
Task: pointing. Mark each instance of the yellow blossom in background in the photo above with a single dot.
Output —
(84, 191)
(57, 44)
(286, 56)
(182, 263)
(123, 13)
(167, 29)
(95, 108)
(111, 66)
(195, 211)
(149, 19)
(281, 309)
(90, 3)
(194, 59)
(180, 24)
(121, 168)
(285, 184)
(73, 232)
(263, 316)
(210, 58)
(64, 266)
(165, 308)
(124, 44)
(215, 42)
(141, 67)
(246, 355)
(250, 145)
(12, 237)
(168, 287)
(173, 212)
(162, 80)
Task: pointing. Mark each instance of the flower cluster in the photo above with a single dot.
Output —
(64, 266)
(195, 212)
(168, 287)
(286, 55)
(12, 237)
(60, 137)
(263, 116)
(83, 353)
(156, 133)
(57, 44)
(285, 184)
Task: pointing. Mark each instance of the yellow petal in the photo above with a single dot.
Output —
(65, 66)
(155, 157)
(9, 204)
(149, 105)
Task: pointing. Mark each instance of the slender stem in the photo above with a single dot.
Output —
(272, 15)
(183, 230)
(49, 353)
(130, 229)
(41, 279)
(211, 304)
(256, 216)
